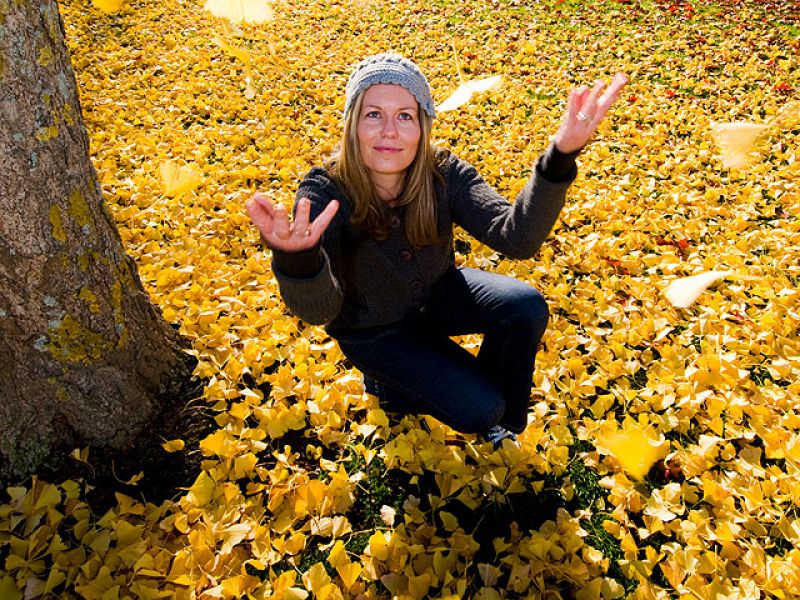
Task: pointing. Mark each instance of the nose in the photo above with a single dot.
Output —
(389, 128)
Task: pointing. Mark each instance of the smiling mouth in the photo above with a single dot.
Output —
(387, 149)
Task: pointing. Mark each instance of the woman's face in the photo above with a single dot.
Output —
(388, 130)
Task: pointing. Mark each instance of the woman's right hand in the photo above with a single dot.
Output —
(279, 233)
(585, 109)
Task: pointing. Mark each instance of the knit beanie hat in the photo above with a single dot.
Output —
(389, 68)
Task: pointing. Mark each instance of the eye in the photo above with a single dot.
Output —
(406, 116)
(373, 114)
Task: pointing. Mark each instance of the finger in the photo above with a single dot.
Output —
(302, 217)
(572, 103)
(620, 81)
(261, 198)
(262, 201)
(576, 99)
(324, 219)
(598, 88)
(281, 225)
(260, 213)
(612, 93)
(589, 107)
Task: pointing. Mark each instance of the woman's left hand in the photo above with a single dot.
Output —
(585, 109)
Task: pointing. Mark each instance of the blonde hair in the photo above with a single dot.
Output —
(418, 195)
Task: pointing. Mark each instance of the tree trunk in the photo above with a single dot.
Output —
(84, 354)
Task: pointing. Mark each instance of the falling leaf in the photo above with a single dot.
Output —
(231, 29)
(737, 142)
(235, 51)
(635, 447)
(466, 90)
(108, 6)
(241, 11)
(178, 179)
(788, 116)
(683, 292)
(249, 90)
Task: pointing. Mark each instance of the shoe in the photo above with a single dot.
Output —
(371, 385)
(497, 434)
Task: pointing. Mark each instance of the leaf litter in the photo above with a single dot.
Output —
(663, 448)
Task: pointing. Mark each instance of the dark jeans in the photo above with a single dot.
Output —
(420, 370)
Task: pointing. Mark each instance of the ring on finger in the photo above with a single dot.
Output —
(582, 116)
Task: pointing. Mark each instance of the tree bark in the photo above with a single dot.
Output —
(84, 354)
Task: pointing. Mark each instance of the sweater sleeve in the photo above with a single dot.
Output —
(515, 229)
(299, 265)
(307, 280)
(557, 167)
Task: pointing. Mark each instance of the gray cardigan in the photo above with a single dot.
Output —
(359, 286)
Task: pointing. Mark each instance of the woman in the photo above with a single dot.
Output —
(370, 253)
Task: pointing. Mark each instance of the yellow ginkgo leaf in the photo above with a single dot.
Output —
(231, 29)
(295, 593)
(236, 52)
(249, 89)
(683, 292)
(241, 11)
(388, 515)
(378, 546)
(107, 6)
(173, 445)
(9, 589)
(178, 179)
(316, 579)
(788, 116)
(635, 447)
(363, 5)
(202, 490)
(81, 454)
(466, 90)
(737, 142)
(349, 573)
(133, 480)
(233, 535)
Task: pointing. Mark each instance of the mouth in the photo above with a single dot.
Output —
(388, 149)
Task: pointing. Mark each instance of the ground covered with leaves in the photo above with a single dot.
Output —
(306, 487)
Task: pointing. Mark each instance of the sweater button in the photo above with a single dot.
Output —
(416, 286)
(405, 255)
(395, 222)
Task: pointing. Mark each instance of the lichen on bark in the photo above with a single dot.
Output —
(55, 222)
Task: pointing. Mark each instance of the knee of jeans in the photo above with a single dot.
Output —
(530, 308)
(480, 417)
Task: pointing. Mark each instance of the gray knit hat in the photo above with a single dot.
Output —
(389, 68)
